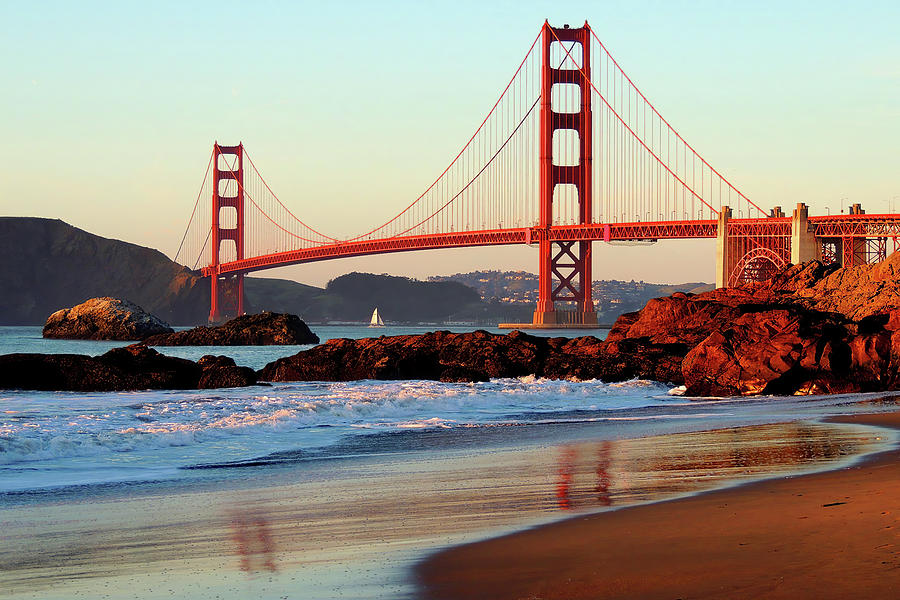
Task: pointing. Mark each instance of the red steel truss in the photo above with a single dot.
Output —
(856, 239)
(866, 226)
(757, 248)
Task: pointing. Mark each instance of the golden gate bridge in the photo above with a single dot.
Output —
(572, 152)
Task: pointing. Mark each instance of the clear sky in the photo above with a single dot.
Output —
(109, 110)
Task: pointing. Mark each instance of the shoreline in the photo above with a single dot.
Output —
(454, 500)
(793, 536)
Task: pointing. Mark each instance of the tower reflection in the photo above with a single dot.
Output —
(567, 467)
(605, 473)
(253, 542)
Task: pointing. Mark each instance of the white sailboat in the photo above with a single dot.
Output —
(376, 319)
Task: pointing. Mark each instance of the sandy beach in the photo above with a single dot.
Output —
(834, 534)
(339, 529)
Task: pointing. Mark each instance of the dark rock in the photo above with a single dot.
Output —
(134, 367)
(453, 374)
(579, 358)
(221, 372)
(474, 356)
(445, 356)
(264, 329)
(639, 359)
(104, 319)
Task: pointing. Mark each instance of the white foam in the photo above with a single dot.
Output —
(146, 422)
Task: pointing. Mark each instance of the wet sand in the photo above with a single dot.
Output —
(354, 528)
(827, 535)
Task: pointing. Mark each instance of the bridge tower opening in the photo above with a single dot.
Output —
(565, 266)
(227, 293)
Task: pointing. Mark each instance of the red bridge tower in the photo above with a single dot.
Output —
(227, 293)
(569, 262)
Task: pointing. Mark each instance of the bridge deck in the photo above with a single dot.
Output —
(831, 226)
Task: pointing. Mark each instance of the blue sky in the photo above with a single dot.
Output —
(110, 109)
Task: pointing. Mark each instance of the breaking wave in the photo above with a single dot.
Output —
(31, 430)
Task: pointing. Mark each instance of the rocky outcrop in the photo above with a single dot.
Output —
(104, 319)
(854, 292)
(440, 355)
(794, 350)
(476, 356)
(134, 367)
(397, 357)
(264, 329)
(811, 329)
(222, 372)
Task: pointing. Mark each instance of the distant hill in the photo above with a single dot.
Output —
(398, 299)
(49, 264)
(518, 291)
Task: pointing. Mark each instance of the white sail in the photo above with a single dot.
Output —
(376, 319)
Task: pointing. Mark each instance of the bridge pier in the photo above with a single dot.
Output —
(226, 297)
(853, 249)
(723, 262)
(804, 246)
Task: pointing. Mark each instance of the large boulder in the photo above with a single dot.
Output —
(264, 329)
(222, 372)
(680, 318)
(134, 367)
(104, 319)
(778, 351)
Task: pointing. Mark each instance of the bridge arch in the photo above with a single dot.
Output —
(758, 264)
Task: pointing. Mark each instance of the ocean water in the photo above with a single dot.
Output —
(351, 482)
(59, 439)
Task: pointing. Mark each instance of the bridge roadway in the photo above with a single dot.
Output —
(823, 227)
